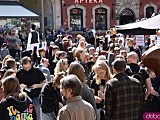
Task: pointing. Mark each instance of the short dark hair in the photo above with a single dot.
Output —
(119, 65)
(4, 45)
(69, 37)
(26, 60)
(33, 26)
(41, 50)
(26, 53)
(72, 82)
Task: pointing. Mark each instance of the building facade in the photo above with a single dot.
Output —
(99, 14)
(103, 14)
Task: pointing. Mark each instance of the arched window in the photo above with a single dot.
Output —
(76, 19)
(149, 11)
(101, 19)
(127, 16)
(127, 12)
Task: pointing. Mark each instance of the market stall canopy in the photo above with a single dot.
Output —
(137, 31)
(148, 26)
(13, 9)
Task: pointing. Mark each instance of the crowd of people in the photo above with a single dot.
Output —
(89, 77)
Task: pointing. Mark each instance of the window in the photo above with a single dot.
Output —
(76, 19)
(100, 19)
(127, 16)
(149, 11)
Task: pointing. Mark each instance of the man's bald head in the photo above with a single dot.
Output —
(132, 57)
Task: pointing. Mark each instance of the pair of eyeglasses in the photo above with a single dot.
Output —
(95, 54)
(64, 62)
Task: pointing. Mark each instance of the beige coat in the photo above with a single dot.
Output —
(76, 109)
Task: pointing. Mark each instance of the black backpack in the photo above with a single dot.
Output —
(41, 96)
(137, 75)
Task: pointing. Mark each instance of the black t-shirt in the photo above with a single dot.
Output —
(96, 88)
(155, 83)
(33, 76)
(135, 69)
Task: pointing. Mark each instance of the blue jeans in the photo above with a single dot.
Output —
(37, 107)
(98, 114)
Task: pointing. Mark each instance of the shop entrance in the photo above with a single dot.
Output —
(127, 16)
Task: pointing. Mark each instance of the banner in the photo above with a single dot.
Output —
(140, 40)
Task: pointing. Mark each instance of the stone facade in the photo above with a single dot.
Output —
(117, 10)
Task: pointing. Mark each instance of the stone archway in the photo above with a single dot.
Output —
(127, 16)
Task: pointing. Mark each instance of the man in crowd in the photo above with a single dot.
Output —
(123, 94)
(43, 66)
(1, 39)
(133, 67)
(13, 45)
(75, 108)
(33, 39)
(31, 80)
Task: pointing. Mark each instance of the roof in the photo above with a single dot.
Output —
(13, 9)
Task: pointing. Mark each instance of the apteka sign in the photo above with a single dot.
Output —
(88, 1)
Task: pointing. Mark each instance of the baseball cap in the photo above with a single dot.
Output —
(119, 64)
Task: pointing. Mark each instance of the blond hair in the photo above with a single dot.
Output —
(77, 53)
(100, 64)
(60, 66)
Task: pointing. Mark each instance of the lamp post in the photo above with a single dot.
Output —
(61, 2)
(42, 20)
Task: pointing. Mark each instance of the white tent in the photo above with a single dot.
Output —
(145, 27)
(13, 9)
(151, 23)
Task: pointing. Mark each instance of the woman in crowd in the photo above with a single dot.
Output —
(9, 72)
(61, 66)
(51, 98)
(87, 95)
(42, 53)
(58, 56)
(82, 44)
(10, 64)
(16, 104)
(4, 60)
(80, 57)
(102, 75)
